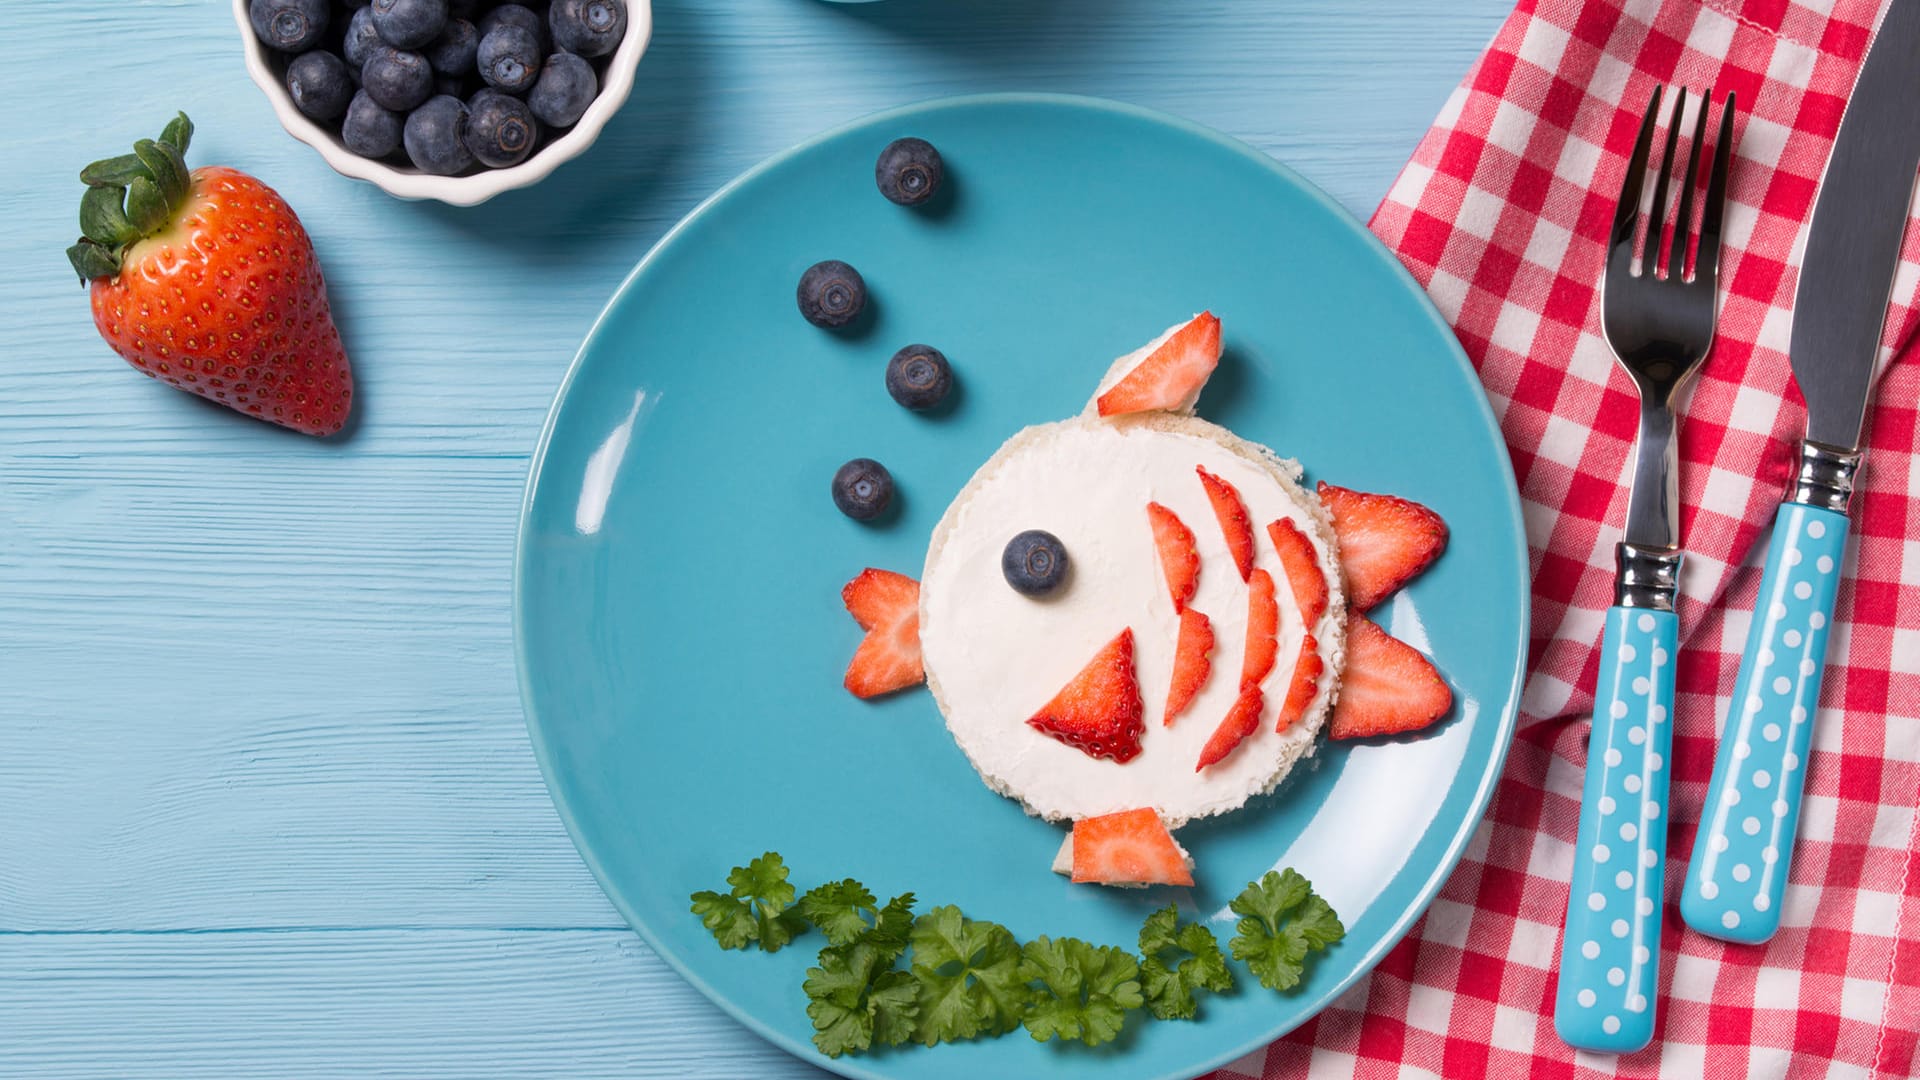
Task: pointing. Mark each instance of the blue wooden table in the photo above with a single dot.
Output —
(267, 805)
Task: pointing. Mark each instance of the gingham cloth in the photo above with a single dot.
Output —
(1503, 215)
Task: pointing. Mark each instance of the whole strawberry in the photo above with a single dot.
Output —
(207, 282)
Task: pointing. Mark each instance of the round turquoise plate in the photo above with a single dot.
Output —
(680, 633)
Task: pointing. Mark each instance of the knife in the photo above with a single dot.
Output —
(1744, 848)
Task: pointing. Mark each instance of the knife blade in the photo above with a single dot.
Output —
(1743, 853)
(1853, 242)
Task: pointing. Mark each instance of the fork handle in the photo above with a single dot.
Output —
(1610, 955)
(1738, 873)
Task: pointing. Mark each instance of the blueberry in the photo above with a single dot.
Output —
(319, 84)
(453, 51)
(500, 129)
(863, 489)
(909, 171)
(451, 85)
(509, 59)
(434, 136)
(396, 79)
(567, 85)
(289, 25)
(919, 377)
(409, 24)
(362, 38)
(1035, 563)
(518, 15)
(370, 130)
(587, 27)
(831, 293)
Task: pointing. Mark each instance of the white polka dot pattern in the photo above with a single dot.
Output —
(1609, 963)
(1740, 858)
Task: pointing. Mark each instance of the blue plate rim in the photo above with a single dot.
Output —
(1509, 714)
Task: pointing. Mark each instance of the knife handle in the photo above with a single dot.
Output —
(1738, 873)
(1610, 955)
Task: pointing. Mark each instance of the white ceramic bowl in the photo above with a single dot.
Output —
(407, 182)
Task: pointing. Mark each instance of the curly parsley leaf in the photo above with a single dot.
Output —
(730, 920)
(1168, 985)
(969, 977)
(1318, 924)
(836, 909)
(755, 909)
(1282, 920)
(856, 998)
(1086, 990)
(765, 879)
(895, 1001)
(893, 927)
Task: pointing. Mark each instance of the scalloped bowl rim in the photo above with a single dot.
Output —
(470, 190)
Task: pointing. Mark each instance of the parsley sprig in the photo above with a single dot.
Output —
(755, 909)
(1086, 991)
(835, 908)
(1282, 920)
(887, 976)
(856, 997)
(970, 979)
(1169, 984)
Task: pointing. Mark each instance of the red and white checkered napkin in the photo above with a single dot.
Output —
(1503, 214)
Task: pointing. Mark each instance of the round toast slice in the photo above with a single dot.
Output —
(994, 657)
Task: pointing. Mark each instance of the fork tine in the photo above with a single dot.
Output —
(1657, 214)
(1706, 265)
(1683, 224)
(1627, 212)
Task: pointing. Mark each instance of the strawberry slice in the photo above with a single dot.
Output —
(1190, 664)
(1384, 541)
(1304, 684)
(1263, 645)
(1179, 559)
(1263, 631)
(887, 607)
(1100, 711)
(1304, 576)
(1387, 687)
(1171, 376)
(1233, 519)
(1132, 847)
(1240, 722)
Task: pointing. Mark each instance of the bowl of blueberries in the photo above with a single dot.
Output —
(455, 100)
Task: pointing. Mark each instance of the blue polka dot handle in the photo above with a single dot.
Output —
(1610, 956)
(1740, 857)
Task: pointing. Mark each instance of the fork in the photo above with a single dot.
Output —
(1658, 320)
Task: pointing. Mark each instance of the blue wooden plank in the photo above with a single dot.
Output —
(230, 711)
(306, 1005)
(261, 687)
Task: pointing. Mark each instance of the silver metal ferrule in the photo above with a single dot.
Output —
(1647, 577)
(1826, 476)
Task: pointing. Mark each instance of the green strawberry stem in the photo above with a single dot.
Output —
(129, 198)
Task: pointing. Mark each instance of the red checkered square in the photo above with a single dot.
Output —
(1502, 215)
